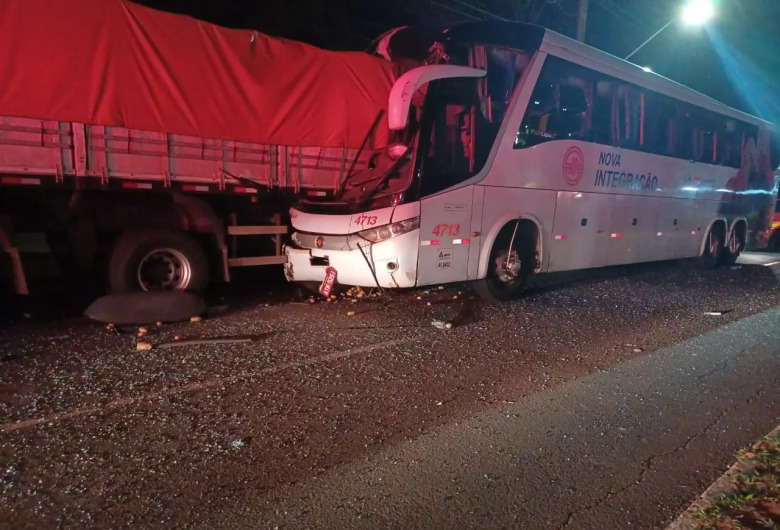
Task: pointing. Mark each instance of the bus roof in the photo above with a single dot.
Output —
(531, 37)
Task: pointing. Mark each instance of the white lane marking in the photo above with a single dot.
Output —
(773, 263)
(191, 387)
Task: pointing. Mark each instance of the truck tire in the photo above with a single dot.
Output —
(146, 260)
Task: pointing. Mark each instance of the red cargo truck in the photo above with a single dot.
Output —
(155, 151)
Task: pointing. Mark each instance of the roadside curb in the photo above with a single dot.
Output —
(723, 484)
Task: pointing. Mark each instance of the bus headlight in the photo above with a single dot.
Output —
(382, 233)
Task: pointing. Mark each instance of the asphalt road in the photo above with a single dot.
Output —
(623, 447)
(605, 400)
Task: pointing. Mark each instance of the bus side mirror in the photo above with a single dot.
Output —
(396, 151)
(406, 85)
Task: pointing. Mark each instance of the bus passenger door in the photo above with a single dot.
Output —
(445, 237)
(580, 230)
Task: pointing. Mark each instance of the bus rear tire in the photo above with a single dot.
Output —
(146, 260)
(508, 271)
(731, 251)
(713, 248)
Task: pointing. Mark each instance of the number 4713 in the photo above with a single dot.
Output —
(446, 229)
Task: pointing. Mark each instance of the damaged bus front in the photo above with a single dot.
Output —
(370, 234)
(406, 220)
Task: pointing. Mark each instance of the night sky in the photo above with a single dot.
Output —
(735, 59)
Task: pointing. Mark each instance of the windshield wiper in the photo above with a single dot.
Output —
(370, 132)
(382, 178)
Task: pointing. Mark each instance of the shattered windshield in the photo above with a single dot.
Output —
(388, 173)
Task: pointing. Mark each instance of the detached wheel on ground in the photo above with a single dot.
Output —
(713, 248)
(512, 261)
(146, 260)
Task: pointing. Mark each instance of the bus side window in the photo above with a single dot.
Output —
(728, 144)
(536, 123)
(560, 106)
(684, 141)
(704, 137)
(774, 153)
(571, 119)
(628, 114)
(659, 125)
(601, 126)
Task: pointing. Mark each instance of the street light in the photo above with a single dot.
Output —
(698, 12)
(694, 13)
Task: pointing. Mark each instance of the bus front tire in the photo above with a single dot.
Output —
(508, 270)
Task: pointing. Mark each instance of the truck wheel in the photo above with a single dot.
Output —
(157, 261)
(508, 269)
(713, 247)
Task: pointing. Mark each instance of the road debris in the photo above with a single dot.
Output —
(144, 346)
(196, 319)
(240, 443)
(355, 292)
(200, 342)
(217, 309)
(140, 308)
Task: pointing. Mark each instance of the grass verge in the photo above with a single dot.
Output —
(747, 496)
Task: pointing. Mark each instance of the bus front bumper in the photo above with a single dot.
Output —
(394, 262)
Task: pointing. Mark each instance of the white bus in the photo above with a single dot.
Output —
(520, 151)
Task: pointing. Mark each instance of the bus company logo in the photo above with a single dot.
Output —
(573, 166)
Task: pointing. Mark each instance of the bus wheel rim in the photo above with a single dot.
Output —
(713, 244)
(734, 243)
(508, 269)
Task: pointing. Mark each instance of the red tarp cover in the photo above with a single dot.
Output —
(112, 62)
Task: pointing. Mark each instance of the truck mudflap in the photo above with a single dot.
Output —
(390, 264)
